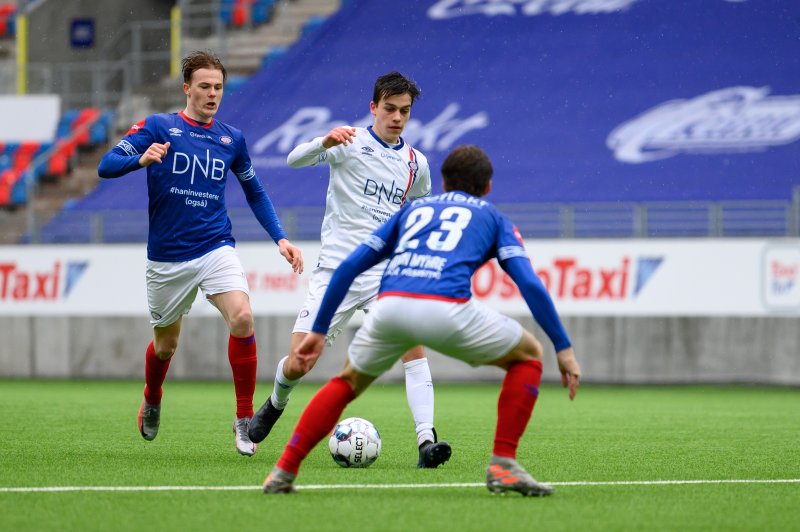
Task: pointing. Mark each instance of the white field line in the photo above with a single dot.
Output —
(56, 489)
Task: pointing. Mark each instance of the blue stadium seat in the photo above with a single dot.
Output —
(226, 11)
(100, 130)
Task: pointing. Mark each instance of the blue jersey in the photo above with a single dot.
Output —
(186, 191)
(434, 246)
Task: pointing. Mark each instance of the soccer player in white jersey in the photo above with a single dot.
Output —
(434, 245)
(190, 245)
(373, 172)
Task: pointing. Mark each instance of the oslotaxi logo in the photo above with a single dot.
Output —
(567, 278)
(54, 283)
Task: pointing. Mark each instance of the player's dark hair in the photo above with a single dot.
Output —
(468, 169)
(394, 83)
(201, 59)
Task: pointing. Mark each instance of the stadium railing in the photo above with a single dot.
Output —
(756, 218)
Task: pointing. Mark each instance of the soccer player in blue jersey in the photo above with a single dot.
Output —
(434, 245)
(190, 246)
(373, 172)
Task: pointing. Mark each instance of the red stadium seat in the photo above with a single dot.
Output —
(7, 180)
(58, 165)
(25, 153)
(241, 13)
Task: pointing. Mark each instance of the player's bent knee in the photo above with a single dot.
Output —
(242, 324)
(357, 381)
(528, 348)
(165, 350)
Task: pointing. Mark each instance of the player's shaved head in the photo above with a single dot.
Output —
(394, 83)
(201, 59)
(468, 169)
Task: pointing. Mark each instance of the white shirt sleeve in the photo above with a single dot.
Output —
(306, 154)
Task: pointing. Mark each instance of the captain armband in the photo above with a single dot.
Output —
(508, 252)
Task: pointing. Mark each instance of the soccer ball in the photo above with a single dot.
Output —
(355, 442)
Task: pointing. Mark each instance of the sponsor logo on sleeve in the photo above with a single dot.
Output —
(247, 175)
(127, 147)
(375, 243)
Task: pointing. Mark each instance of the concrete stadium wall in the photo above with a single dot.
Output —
(610, 349)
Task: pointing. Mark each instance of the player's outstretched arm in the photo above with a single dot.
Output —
(154, 154)
(314, 151)
(570, 370)
(292, 254)
(310, 349)
(339, 135)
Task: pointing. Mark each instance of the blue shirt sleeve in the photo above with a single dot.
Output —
(254, 193)
(538, 300)
(262, 207)
(377, 247)
(360, 260)
(514, 260)
(124, 157)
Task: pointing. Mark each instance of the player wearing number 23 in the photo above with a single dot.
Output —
(433, 246)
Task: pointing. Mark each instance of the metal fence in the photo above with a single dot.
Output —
(534, 220)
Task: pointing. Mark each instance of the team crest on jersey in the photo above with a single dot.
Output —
(413, 166)
(225, 140)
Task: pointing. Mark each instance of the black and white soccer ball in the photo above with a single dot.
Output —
(355, 442)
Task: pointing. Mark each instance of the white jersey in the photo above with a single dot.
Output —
(369, 182)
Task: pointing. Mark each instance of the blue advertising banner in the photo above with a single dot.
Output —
(573, 100)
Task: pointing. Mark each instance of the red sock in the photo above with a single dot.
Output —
(316, 422)
(515, 406)
(155, 371)
(243, 359)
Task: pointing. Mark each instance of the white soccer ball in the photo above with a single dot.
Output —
(355, 442)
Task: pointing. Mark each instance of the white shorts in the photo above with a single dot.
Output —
(471, 332)
(359, 297)
(172, 286)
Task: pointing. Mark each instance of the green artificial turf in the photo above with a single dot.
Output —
(67, 433)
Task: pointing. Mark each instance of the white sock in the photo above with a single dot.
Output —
(419, 391)
(282, 388)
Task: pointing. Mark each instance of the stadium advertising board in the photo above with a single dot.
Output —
(748, 277)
